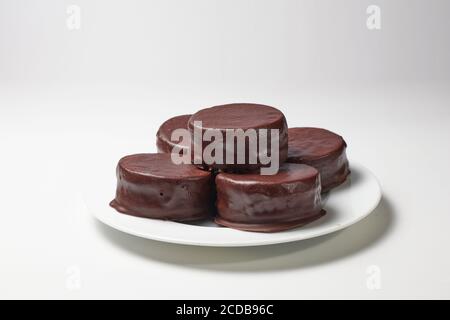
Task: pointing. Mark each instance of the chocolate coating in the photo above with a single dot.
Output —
(240, 116)
(323, 150)
(151, 186)
(164, 134)
(269, 203)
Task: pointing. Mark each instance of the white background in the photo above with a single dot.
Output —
(70, 99)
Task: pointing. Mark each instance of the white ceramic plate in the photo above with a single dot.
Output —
(345, 205)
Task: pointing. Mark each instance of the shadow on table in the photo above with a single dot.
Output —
(295, 255)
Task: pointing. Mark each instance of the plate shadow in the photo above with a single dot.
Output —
(301, 254)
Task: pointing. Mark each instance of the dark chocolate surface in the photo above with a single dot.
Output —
(151, 186)
(241, 116)
(322, 149)
(164, 134)
(272, 203)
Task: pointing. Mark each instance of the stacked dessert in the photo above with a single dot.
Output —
(238, 164)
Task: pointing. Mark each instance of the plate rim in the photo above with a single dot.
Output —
(248, 243)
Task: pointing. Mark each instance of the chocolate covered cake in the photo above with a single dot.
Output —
(164, 142)
(151, 186)
(240, 117)
(323, 150)
(231, 147)
(263, 203)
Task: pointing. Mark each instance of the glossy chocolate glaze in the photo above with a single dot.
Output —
(151, 186)
(164, 142)
(241, 116)
(323, 150)
(269, 203)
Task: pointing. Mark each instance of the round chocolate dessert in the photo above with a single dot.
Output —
(251, 136)
(269, 203)
(323, 150)
(152, 186)
(164, 135)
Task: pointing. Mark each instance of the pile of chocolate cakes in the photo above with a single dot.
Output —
(234, 191)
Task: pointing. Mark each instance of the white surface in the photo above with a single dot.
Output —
(47, 229)
(346, 205)
(67, 97)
